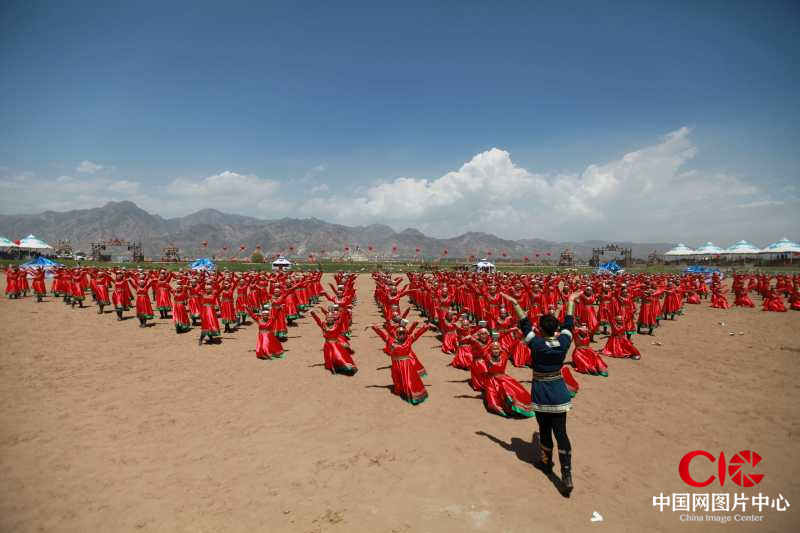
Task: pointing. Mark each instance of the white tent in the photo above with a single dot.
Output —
(742, 248)
(680, 251)
(31, 242)
(484, 266)
(709, 248)
(783, 246)
(5, 243)
(281, 263)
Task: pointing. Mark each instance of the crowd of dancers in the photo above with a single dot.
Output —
(484, 321)
(476, 326)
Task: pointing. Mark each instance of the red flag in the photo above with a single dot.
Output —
(537, 255)
(369, 247)
(548, 253)
(417, 250)
(526, 259)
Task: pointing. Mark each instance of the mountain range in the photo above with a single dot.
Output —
(225, 233)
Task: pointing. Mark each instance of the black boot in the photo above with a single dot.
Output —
(119, 315)
(545, 463)
(566, 470)
(200, 342)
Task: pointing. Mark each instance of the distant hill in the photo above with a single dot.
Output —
(126, 220)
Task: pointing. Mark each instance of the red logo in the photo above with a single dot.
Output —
(733, 470)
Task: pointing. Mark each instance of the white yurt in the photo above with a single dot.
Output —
(679, 251)
(281, 263)
(485, 266)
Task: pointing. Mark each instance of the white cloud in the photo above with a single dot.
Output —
(647, 194)
(87, 167)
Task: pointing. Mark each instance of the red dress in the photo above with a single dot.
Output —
(38, 283)
(478, 368)
(100, 284)
(463, 357)
(143, 307)
(743, 299)
(773, 302)
(618, 345)
(227, 311)
(718, 300)
(407, 381)
(180, 316)
(586, 360)
(502, 394)
(268, 346)
(337, 353)
(208, 316)
(163, 295)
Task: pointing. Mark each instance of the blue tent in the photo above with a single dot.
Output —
(706, 271)
(609, 268)
(41, 262)
(202, 264)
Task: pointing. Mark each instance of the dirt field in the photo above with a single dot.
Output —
(108, 427)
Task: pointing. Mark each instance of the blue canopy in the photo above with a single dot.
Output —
(698, 269)
(609, 268)
(41, 262)
(202, 264)
(707, 272)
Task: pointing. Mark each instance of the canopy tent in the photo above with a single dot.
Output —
(484, 266)
(32, 242)
(202, 264)
(680, 251)
(281, 263)
(783, 246)
(742, 248)
(5, 243)
(709, 248)
(40, 262)
(707, 272)
(612, 267)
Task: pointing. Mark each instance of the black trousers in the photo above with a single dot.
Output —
(553, 423)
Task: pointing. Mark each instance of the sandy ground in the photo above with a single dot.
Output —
(108, 427)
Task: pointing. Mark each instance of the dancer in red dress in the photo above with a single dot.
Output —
(463, 357)
(180, 315)
(584, 359)
(742, 298)
(337, 352)
(718, 299)
(144, 309)
(502, 394)
(647, 313)
(268, 346)
(208, 316)
(163, 291)
(405, 377)
(38, 284)
(773, 302)
(618, 345)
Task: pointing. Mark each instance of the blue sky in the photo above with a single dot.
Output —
(348, 98)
